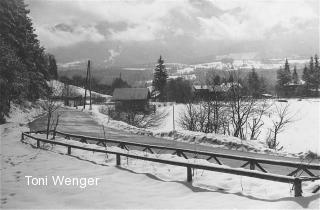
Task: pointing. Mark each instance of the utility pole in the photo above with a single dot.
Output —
(173, 117)
(86, 86)
(89, 67)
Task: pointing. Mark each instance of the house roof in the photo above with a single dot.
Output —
(202, 87)
(122, 94)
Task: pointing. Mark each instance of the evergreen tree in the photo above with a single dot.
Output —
(295, 78)
(287, 74)
(263, 85)
(316, 73)
(306, 75)
(217, 80)
(283, 78)
(119, 83)
(253, 84)
(179, 90)
(24, 67)
(311, 65)
(52, 65)
(312, 70)
(160, 77)
(231, 79)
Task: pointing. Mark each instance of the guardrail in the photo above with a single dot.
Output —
(296, 181)
(253, 163)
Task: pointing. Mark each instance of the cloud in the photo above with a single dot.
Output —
(253, 20)
(144, 20)
(171, 24)
(112, 54)
(64, 35)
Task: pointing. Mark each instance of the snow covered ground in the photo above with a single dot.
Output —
(137, 184)
(302, 135)
(59, 88)
(299, 137)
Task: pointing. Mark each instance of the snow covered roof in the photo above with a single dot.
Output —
(122, 94)
(202, 87)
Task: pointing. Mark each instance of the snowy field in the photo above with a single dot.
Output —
(302, 135)
(137, 184)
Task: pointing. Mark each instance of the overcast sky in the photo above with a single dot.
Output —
(114, 27)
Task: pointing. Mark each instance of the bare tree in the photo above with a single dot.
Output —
(143, 120)
(258, 112)
(241, 108)
(137, 118)
(282, 118)
(50, 106)
(188, 119)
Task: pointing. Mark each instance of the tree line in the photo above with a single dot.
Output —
(180, 90)
(289, 84)
(80, 81)
(24, 65)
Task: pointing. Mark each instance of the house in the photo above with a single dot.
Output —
(202, 92)
(217, 92)
(131, 99)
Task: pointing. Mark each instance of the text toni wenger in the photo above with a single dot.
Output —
(61, 181)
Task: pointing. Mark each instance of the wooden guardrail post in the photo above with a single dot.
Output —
(297, 187)
(22, 136)
(69, 150)
(189, 174)
(252, 165)
(38, 144)
(118, 160)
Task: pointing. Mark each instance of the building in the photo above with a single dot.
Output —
(217, 92)
(202, 92)
(131, 99)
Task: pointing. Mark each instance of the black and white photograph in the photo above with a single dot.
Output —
(160, 104)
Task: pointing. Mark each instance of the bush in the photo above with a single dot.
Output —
(137, 119)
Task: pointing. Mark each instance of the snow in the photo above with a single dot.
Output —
(298, 138)
(136, 184)
(303, 134)
(186, 70)
(166, 131)
(59, 87)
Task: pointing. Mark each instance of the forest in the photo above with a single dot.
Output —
(25, 67)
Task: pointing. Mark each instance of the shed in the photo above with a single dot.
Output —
(131, 99)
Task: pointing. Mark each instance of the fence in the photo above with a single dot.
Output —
(296, 181)
(253, 163)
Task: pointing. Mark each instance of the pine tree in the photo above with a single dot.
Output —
(306, 75)
(231, 79)
(283, 78)
(287, 74)
(23, 64)
(119, 83)
(253, 83)
(263, 85)
(295, 78)
(52, 65)
(160, 77)
(311, 64)
(217, 80)
(316, 73)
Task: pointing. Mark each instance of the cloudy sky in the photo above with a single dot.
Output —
(137, 31)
